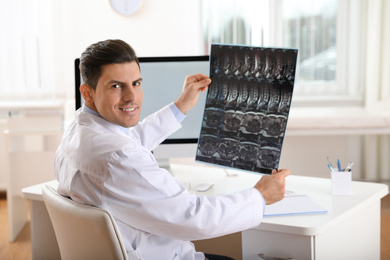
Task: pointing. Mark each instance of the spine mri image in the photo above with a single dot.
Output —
(247, 107)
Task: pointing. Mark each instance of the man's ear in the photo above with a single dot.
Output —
(87, 93)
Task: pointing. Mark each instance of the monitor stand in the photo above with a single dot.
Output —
(164, 163)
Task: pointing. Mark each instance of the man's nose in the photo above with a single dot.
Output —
(128, 94)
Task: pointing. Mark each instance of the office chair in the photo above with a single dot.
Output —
(83, 231)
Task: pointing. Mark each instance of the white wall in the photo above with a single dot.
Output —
(307, 155)
(159, 28)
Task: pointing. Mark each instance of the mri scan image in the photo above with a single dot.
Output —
(247, 107)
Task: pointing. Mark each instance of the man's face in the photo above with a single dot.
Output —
(118, 95)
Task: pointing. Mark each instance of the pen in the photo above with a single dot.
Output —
(339, 164)
(330, 163)
(349, 167)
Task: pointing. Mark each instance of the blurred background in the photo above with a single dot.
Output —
(341, 100)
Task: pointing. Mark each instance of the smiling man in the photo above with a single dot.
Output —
(105, 160)
(118, 94)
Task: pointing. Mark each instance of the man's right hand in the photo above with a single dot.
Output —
(193, 84)
(272, 187)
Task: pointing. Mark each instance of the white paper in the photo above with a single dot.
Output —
(294, 204)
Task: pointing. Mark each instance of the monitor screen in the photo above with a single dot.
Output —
(163, 79)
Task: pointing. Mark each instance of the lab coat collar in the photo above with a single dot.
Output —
(89, 110)
(87, 119)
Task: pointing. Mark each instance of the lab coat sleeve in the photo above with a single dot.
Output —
(156, 128)
(148, 198)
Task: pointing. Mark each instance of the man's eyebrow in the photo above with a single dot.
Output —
(122, 83)
(138, 80)
(116, 82)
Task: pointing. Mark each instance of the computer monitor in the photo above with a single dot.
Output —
(163, 79)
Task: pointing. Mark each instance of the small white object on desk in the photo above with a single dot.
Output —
(204, 186)
(341, 183)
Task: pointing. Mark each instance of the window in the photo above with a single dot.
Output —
(26, 50)
(310, 26)
(235, 21)
(326, 32)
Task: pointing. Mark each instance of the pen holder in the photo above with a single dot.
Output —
(341, 183)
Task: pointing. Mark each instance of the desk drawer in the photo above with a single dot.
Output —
(276, 244)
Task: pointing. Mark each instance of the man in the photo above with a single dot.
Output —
(105, 160)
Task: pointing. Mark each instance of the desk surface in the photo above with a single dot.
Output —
(339, 208)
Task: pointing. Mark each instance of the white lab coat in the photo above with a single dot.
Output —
(98, 164)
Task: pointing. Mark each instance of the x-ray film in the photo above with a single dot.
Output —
(247, 107)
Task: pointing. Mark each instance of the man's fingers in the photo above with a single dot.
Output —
(199, 77)
(282, 172)
(285, 172)
(194, 78)
(202, 83)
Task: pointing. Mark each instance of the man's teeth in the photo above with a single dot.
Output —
(128, 109)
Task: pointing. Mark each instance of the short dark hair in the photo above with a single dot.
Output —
(104, 53)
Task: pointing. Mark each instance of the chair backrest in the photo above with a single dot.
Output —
(83, 231)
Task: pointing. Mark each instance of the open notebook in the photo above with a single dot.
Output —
(294, 204)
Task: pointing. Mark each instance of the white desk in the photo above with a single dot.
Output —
(350, 230)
